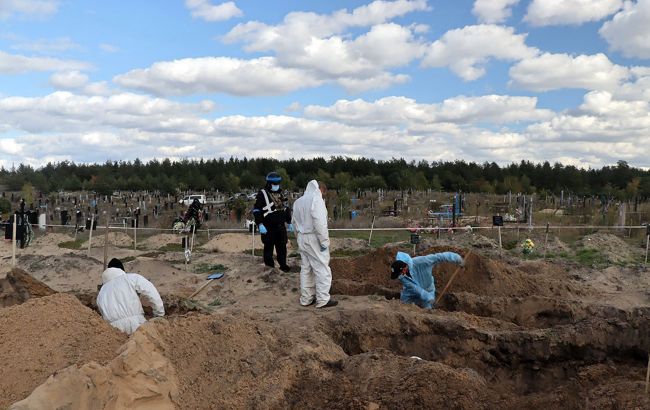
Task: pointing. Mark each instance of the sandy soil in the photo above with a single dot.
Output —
(510, 333)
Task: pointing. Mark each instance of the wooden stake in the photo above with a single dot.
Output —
(106, 243)
(372, 226)
(135, 235)
(647, 376)
(499, 236)
(647, 242)
(13, 243)
(253, 241)
(90, 235)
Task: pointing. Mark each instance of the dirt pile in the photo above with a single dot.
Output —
(365, 275)
(18, 286)
(369, 274)
(232, 243)
(45, 335)
(67, 272)
(139, 377)
(613, 248)
(348, 244)
(119, 239)
(159, 241)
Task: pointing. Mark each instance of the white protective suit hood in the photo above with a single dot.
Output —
(313, 188)
(111, 273)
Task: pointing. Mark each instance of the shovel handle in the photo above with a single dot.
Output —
(451, 280)
(200, 289)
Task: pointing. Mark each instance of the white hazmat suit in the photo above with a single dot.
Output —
(118, 299)
(310, 223)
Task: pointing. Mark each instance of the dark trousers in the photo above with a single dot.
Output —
(275, 237)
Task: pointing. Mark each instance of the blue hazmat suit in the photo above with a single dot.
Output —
(420, 287)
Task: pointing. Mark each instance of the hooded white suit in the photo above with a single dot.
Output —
(118, 299)
(310, 223)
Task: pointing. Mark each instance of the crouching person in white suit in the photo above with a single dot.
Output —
(309, 220)
(118, 299)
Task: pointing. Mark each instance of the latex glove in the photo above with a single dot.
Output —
(323, 248)
(262, 229)
(290, 228)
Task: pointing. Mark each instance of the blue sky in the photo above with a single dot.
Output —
(485, 80)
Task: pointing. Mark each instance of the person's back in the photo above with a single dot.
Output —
(118, 300)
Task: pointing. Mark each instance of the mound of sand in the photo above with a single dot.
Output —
(50, 239)
(140, 377)
(48, 334)
(158, 241)
(348, 243)
(480, 241)
(17, 287)
(235, 243)
(63, 273)
(613, 248)
(119, 239)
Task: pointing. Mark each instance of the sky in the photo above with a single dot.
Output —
(439, 80)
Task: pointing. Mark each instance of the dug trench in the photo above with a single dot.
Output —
(526, 332)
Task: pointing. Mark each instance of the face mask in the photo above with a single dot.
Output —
(275, 188)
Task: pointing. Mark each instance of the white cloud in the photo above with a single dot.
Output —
(261, 76)
(17, 64)
(301, 26)
(629, 30)
(8, 8)
(554, 71)
(466, 50)
(109, 48)
(68, 79)
(320, 44)
(64, 111)
(493, 11)
(203, 9)
(405, 112)
(78, 82)
(43, 45)
(10, 146)
(557, 12)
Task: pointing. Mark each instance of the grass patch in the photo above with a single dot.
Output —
(257, 252)
(71, 244)
(128, 259)
(347, 253)
(172, 247)
(216, 302)
(590, 257)
(208, 267)
(152, 254)
(379, 238)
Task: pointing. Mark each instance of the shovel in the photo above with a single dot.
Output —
(451, 279)
(211, 277)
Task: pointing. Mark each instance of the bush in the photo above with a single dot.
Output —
(5, 206)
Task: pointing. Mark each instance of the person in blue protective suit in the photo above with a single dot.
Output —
(273, 218)
(418, 284)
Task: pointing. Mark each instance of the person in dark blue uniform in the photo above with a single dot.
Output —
(273, 219)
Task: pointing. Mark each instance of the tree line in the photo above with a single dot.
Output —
(236, 174)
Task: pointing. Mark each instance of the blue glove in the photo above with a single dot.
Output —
(290, 228)
(323, 248)
(262, 229)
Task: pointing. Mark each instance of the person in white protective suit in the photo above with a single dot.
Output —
(309, 221)
(118, 299)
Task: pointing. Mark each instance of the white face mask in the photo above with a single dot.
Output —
(275, 188)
